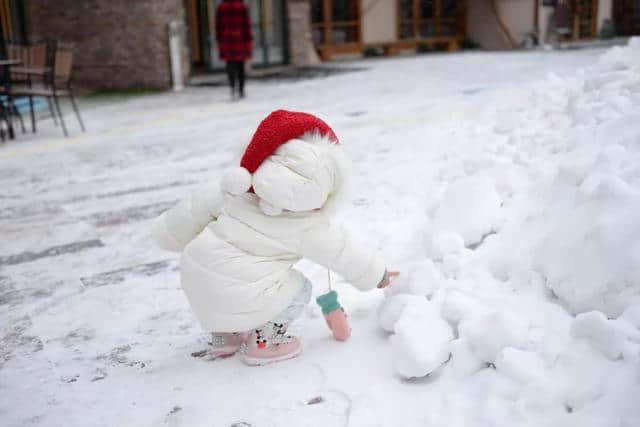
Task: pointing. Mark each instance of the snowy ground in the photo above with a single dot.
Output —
(506, 197)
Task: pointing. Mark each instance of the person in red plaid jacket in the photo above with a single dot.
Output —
(233, 34)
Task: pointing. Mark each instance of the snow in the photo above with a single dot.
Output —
(392, 308)
(504, 187)
(487, 335)
(613, 338)
(421, 340)
(469, 209)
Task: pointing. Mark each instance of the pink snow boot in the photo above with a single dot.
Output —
(225, 344)
(270, 344)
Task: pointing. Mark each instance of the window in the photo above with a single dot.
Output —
(335, 21)
(430, 18)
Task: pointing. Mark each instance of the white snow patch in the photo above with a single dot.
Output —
(489, 334)
(421, 343)
(470, 208)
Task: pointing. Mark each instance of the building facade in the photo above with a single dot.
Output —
(122, 43)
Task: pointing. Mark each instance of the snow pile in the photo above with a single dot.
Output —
(536, 250)
(590, 249)
(470, 208)
(487, 335)
(421, 340)
(615, 339)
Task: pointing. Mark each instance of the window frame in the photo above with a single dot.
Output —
(416, 21)
(327, 25)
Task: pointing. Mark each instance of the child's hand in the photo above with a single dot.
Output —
(386, 280)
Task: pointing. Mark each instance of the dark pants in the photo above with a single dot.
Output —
(235, 71)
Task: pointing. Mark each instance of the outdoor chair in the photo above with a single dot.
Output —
(56, 83)
(7, 113)
(30, 73)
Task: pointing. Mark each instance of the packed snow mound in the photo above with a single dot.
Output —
(471, 209)
(447, 243)
(632, 315)
(613, 338)
(622, 57)
(534, 237)
(590, 253)
(392, 308)
(522, 366)
(590, 246)
(421, 343)
(419, 278)
(488, 335)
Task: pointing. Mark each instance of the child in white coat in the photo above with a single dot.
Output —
(241, 236)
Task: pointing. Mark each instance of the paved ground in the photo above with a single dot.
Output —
(94, 329)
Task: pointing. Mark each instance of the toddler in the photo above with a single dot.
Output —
(241, 235)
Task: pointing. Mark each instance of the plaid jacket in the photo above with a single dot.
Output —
(233, 31)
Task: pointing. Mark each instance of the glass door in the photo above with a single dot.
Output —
(268, 25)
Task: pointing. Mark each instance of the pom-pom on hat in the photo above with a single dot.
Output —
(275, 130)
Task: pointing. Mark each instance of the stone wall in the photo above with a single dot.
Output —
(119, 44)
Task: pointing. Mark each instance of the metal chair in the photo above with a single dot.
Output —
(57, 83)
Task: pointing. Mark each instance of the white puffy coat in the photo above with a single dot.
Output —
(237, 261)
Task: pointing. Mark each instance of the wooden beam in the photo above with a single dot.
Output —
(503, 26)
(194, 30)
(359, 18)
(328, 19)
(594, 18)
(415, 16)
(437, 16)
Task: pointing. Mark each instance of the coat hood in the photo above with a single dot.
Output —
(304, 174)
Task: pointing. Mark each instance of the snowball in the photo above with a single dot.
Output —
(421, 278)
(521, 366)
(463, 361)
(421, 343)
(459, 306)
(620, 58)
(590, 250)
(236, 181)
(447, 243)
(392, 308)
(607, 336)
(489, 334)
(470, 208)
(632, 313)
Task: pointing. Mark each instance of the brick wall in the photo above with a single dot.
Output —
(119, 44)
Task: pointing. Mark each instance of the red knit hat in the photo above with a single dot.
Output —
(276, 129)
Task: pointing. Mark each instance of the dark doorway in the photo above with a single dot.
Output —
(12, 21)
(268, 22)
(627, 17)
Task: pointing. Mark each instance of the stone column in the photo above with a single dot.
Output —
(301, 50)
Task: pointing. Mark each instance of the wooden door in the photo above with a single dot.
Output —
(584, 15)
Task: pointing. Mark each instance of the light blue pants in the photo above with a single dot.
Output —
(294, 310)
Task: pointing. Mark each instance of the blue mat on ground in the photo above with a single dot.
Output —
(22, 104)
